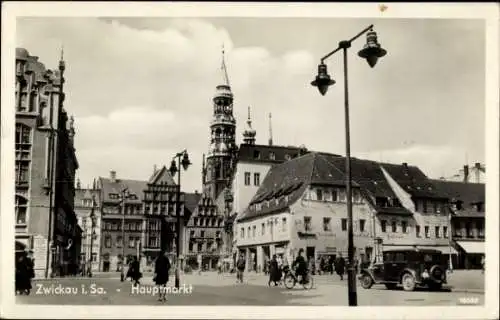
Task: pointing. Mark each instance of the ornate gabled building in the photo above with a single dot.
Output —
(45, 168)
(204, 232)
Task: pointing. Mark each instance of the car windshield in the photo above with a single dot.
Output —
(431, 257)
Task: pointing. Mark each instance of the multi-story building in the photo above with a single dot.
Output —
(147, 211)
(87, 209)
(45, 168)
(204, 236)
(302, 204)
(467, 205)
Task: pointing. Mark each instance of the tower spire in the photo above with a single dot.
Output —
(249, 133)
(225, 77)
(270, 130)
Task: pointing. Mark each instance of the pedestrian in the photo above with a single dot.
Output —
(135, 272)
(24, 274)
(162, 269)
(200, 264)
(274, 271)
(240, 266)
(340, 266)
(219, 266)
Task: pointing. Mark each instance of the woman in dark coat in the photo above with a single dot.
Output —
(135, 272)
(274, 271)
(162, 268)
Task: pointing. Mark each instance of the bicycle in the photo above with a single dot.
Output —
(290, 280)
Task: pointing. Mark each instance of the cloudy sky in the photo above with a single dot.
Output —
(140, 89)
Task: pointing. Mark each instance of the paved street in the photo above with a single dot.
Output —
(214, 289)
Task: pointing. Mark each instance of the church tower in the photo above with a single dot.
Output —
(249, 133)
(219, 160)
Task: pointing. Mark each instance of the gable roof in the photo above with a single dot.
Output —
(191, 201)
(468, 193)
(162, 176)
(108, 187)
(292, 178)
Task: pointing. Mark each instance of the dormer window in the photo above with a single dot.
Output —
(256, 154)
(272, 156)
(479, 207)
(113, 196)
(287, 157)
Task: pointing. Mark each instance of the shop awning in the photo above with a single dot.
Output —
(443, 249)
(472, 246)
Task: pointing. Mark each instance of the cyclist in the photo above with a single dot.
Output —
(301, 266)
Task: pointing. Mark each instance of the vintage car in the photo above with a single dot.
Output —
(408, 267)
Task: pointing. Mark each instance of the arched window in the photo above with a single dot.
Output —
(21, 209)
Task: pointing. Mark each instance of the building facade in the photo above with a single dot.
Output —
(467, 218)
(302, 204)
(45, 168)
(147, 211)
(87, 209)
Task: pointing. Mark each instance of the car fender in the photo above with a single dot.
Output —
(410, 271)
(367, 272)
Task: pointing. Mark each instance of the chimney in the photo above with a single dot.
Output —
(195, 191)
(112, 176)
(466, 173)
(477, 166)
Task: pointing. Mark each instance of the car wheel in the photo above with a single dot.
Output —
(408, 281)
(366, 281)
(391, 286)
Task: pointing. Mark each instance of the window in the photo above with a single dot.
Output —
(272, 156)
(283, 220)
(394, 226)
(356, 196)
(362, 225)
(426, 228)
(107, 241)
(200, 247)
(342, 196)
(437, 231)
(262, 229)
(319, 194)
(383, 225)
(327, 224)
(445, 232)
(287, 157)
(254, 231)
(424, 206)
(256, 179)
(256, 154)
(334, 195)
(153, 242)
(190, 247)
(468, 229)
(404, 226)
(307, 224)
(23, 149)
(480, 229)
(417, 231)
(94, 256)
(202, 234)
(131, 242)
(119, 241)
(343, 222)
(247, 178)
(248, 232)
(242, 233)
(21, 209)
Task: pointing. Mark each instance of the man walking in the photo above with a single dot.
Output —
(340, 267)
(240, 266)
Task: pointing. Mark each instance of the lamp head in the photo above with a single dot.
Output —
(173, 168)
(323, 80)
(185, 161)
(372, 50)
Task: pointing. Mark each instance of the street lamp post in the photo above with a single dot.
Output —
(182, 160)
(124, 195)
(92, 234)
(371, 52)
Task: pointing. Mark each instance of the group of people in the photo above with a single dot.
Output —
(24, 273)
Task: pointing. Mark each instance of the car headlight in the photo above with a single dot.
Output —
(425, 274)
